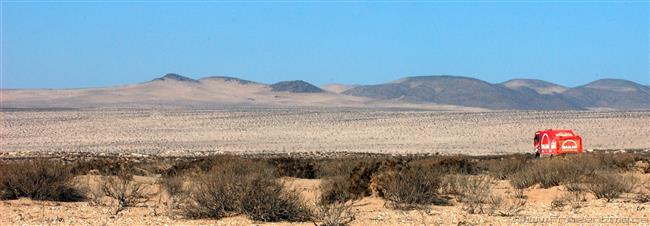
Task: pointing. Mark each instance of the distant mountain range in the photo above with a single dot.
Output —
(422, 92)
(530, 94)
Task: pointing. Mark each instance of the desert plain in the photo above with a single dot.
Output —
(179, 132)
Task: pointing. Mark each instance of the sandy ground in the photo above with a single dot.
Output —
(368, 211)
(200, 132)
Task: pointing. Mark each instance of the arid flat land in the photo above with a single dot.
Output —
(202, 132)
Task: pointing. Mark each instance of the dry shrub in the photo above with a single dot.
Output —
(39, 180)
(558, 203)
(504, 168)
(110, 166)
(474, 192)
(621, 162)
(336, 167)
(450, 164)
(505, 207)
(575, 199)
(267, 200)
(644, 193)
(173, 186)
(336, 189)
(411, 188)
(362, 175)
(555, 171)
(125, 191)
(610, 186)
(294, 167)
(358, 183)
(335, 214)
(198, 165)
(243, 186)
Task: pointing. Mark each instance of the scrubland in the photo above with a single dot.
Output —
(352, 190)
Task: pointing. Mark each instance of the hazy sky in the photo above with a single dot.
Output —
(76, 44)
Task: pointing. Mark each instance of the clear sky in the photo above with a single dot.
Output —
(81, 44)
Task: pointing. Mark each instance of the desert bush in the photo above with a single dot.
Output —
(473, 192)
(107, 166)
(125, 191)
(362, 175)
(335, 214)
(219, 191)
(556, 171)
(610, 186)
(200, 165)
(575, 197)
(410, 188)
(357, 183)
(644, 193)
(620, 162)
(173, 186)
(267, 200)
(39, 179)
(558, 203)
(336, 189)
(450, 164)
(504, 168)
(336, 167)
(294, 167)
(505, 207)
(243, 186)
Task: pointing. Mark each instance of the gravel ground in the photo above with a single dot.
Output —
(202, 132)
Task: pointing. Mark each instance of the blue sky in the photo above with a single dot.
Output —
(77, 44)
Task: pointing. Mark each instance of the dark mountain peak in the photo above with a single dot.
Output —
(175, 77)
(229, 79)
(297, 86)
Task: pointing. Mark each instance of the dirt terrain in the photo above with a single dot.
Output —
(252, 131)
(368, 211)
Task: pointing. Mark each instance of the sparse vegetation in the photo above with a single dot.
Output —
(334, 214)
(293, 167)
(39, 180)
(474, 192)
(125, 191)
(611, 186)
(411, 187)
(222, 186)
(243, 186)
(173, 186)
